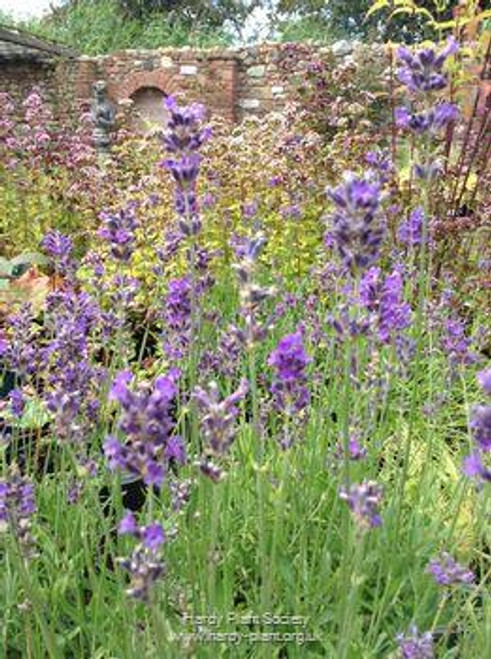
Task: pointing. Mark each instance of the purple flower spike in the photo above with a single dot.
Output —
(128, 525)
(447, 572)
(211, 470)
(364, 500)
(356, 451)
(290, 360)
(356, 226)
(481, 426)
(474, 465)
(432, 121)
(384, 299)
(17, 506)
(218, 416)
(456, 344)
(184, 137)
(59, 247)
(143, 565)
(118, 231)
(415, 645)
(153, 536)
(484, 379)
(147, 423)
(410, 233)
(474, 468)
(119, 390)
(177, 317)
(17, 402)
(422, 71)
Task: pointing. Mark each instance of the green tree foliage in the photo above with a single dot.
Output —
(213, 14)
(103, 26)
(341, 19)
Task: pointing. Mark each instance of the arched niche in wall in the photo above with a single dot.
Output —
(148, 109)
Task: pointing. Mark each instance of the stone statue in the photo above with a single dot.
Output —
(103, 116)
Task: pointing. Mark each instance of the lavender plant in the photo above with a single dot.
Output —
(294, 432)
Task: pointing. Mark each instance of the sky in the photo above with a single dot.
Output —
(26, 8)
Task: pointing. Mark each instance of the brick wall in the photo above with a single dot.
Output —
(233, 83)
(18, 78)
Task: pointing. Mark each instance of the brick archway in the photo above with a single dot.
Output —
(156, 79)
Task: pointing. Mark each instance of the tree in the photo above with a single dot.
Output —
(349, 19)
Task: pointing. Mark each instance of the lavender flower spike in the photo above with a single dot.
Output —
(484, 379)
(431, 121)
(147, 423)
(410, 232)
(481, 426)
(473, 467)
(60, 248)
(17, 506)
(143, 565)
(422, 71)
(290, 360)
(415, 645)
(447, 572)
(364, 501)
(356, 225)
(118, 230)
(183, 139)
(218, 416)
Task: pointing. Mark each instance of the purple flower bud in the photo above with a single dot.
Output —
(484, 379)
(481, 427)
(415, 645)
(217, 417)
(364, 500)
(290, 361)
(128, 525)
(356, 225)
(447, 572)
(411, 232)
(473, 467)
(422, 71)
(153, 536)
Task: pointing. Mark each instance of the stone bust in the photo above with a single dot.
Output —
(103, 117)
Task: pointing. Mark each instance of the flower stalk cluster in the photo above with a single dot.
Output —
(415, 645)
(364, 500)
(290, 360)
(184, 137)
(252, 295)
(147, 424)
(144, 565)
(447, 572)
(17, 507)
(383, 298)
(357, 226)
(218, 422)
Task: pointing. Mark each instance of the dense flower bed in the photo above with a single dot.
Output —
(245, 397)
